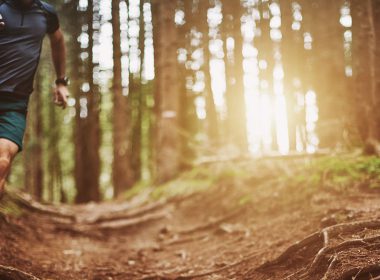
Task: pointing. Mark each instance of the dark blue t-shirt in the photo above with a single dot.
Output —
(21, 43)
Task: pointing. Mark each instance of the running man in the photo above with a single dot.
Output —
(23, 26)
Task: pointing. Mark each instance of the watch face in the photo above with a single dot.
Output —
(63, 81)
(2, 22)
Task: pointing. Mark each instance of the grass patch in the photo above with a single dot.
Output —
(337, 172)
(198, 179)
(8, 206)
(340, 172)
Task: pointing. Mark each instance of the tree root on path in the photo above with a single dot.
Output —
(204, 274)
(177, 241)
(11, 273)
(24, 201)
(90, 230)
(322, 255)
(124, 214)
(213, 223)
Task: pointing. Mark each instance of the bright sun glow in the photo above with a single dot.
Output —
(264, 111)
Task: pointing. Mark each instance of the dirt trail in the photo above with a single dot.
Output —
(237, 229)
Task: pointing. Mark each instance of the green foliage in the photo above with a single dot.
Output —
(136, 190)
(198, 179)
(8, 207)
(244, 200)
(195, 180)
(340, 172)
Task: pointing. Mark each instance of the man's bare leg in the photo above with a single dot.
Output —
(8, 151)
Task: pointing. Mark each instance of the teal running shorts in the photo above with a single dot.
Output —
(12, 126)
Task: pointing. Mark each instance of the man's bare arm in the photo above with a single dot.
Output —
(58, 51)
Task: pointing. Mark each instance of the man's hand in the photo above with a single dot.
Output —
(61, 95)
(2, 23)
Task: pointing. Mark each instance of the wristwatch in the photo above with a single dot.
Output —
(62, 81)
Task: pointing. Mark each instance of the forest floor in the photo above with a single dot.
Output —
(301, 218)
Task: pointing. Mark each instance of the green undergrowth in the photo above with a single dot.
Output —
(198, 179)
(340, 172)
(305, 176)
(9, 207)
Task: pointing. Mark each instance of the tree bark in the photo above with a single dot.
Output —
(364, 60)
(88, 126)
(122, 173)
(265, 48)
(34, 175)
(212, 124)
(167, 98)
(329, 79)
(288, 55)
(235, 93)
(376, 26)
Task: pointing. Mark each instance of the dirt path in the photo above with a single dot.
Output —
(226, 232)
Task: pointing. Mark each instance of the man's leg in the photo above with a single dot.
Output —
(8, 151)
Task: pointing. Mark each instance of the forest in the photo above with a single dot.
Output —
(203, 139)
(224, 79)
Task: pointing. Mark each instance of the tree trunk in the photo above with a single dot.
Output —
(55, 181)
(376, 23)
(288, 60)
(212, 124)
(329, 68)
(236, 112)
(364, 57)
(167, 147)
(139, 102)
(122, 175)
(88, 127)
(187, 115)
(265, 48)
(34, 175)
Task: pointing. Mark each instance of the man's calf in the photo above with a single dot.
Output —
(8, 151)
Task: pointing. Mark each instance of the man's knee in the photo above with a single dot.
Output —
(5, 162)
(8, 151)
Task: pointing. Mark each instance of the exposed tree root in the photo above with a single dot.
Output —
(361, 271)
(213, 223)
(128, 223)
(90, 230)
(125, 213)
(332, 250)
(177, 241)
(372, 147)
(27, 202)
(208, 273)
(292, 250)
(11, 273)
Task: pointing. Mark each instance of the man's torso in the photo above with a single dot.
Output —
(20, 47)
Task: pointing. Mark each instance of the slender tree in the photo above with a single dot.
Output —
(265, 48)
(236, 119)
(167, 146)
(364, 57)
(328, 67)
(139, 97)
(54, 169)
(122, 172)
(212, 124)
(187, 117)
(376, 23)
(289, 60)
(88, 126)
(34, 173)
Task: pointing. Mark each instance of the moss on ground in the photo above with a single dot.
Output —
(340, 172)
(9, 207)
(198, 179)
